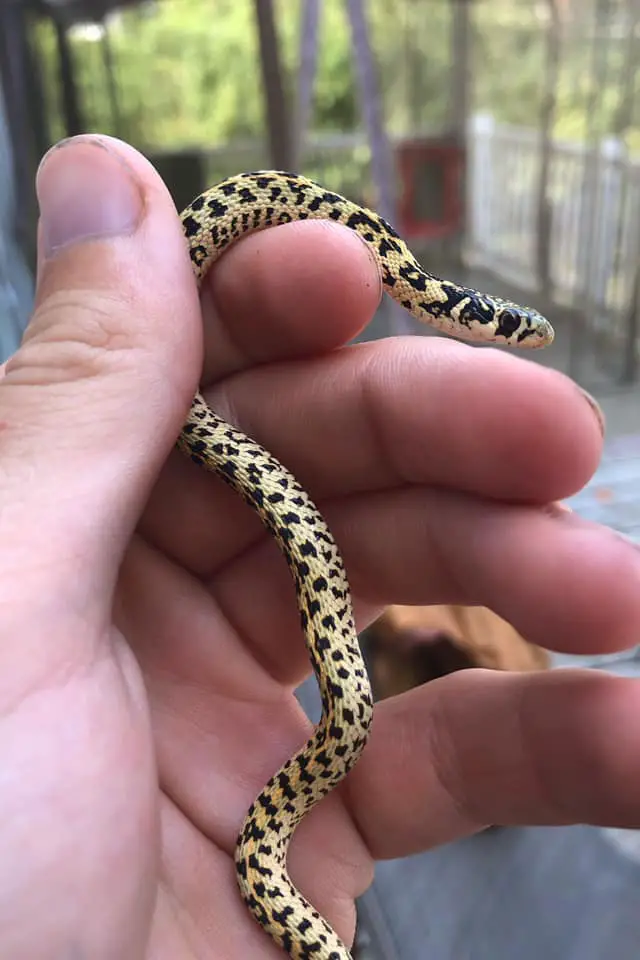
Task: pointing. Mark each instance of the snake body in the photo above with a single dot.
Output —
(217, 218)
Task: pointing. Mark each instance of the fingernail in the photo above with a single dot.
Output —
(597, 409)
(557, 509)
(85, 191)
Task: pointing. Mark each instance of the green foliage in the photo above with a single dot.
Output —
(187, 71)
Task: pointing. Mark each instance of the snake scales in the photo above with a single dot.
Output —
(215, 220)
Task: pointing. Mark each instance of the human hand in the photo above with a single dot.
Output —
(151, 643)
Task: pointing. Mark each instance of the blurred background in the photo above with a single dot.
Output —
(502, 138)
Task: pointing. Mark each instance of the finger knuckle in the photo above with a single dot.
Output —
(73, 336)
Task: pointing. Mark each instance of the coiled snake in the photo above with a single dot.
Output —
(215, 220)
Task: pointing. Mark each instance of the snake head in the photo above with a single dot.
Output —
(521, 326)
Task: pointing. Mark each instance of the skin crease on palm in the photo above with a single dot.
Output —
(151, 643)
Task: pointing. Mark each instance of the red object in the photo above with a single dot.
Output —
(432, 184)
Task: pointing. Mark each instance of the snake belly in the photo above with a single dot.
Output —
(217, 218)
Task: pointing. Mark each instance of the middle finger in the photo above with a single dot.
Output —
(378, 416)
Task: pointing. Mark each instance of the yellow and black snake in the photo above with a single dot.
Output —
(215, 220)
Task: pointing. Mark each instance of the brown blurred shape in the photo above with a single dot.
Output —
(408, 646)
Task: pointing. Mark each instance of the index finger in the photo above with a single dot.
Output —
(291, 291)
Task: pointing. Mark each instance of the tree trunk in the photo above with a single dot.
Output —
(278, 126)
(547, 120)
(307, 69)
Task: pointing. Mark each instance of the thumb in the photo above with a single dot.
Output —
(92, 401)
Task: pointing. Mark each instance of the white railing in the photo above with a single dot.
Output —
(594, 210)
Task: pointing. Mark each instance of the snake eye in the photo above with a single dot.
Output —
(508, 322)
